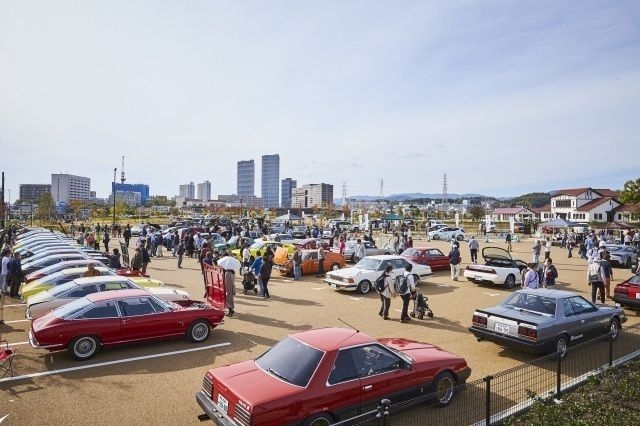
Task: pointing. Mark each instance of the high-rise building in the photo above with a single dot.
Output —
(271, 180)
(32, 192)
(132, 187)
(246, 177)
(204, 191)
(65, 188)
(313, 195)
(187, 190)
(286, 186)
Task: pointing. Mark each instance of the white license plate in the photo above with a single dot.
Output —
(223, 403)
(334, 286)
(478, 277)
(502, 328)
(637, 295)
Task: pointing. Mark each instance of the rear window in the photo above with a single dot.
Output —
(533, 303)
(292, 361)
(72, 308)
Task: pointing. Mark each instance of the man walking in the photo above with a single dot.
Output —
(454, 262)
(596, 278)
(473, 248)
(16, 275)
(4, 271)
(508, 240)
(320, 262)
(297, 263)
(386, 293)
(536, 253)
(530, 279)
(360, 251)
(126, 235)
(405, 289)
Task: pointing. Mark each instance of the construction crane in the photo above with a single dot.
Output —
(122, 178)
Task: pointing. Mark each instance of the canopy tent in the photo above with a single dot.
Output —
(289, 216)
(558, 223)
(392, 216)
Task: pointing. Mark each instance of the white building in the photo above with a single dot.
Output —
(204, 191)
(187, 190)
(65, 188)
(584, 205)
(313, 195)
(130, 198)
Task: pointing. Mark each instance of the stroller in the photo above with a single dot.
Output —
(420, 306)
(248, 280)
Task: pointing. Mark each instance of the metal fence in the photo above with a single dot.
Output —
(493, 398)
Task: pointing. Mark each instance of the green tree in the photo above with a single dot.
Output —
(46, 206)
(631, 192)
(477, 212)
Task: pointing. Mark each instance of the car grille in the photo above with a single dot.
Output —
(207, 386)
(242, 416)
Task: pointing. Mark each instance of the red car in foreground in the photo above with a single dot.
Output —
(123, 316)
(427, 256)
(317, 376)
(627, 293)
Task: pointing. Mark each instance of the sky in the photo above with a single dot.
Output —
(504, 97)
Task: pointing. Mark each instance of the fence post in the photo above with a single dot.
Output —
(383, 412)
(559, 376)
(487, 401)
(611, 352)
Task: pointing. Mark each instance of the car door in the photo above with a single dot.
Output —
(435, 259)
(103, 320)
(589, 320)
(310, 262)
(139, 319)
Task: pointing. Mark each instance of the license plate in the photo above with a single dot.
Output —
(637, 295)
(478, 277)
(501, 328)
(334, 286)
(223, 403)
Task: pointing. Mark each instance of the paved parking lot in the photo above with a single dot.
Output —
(155, 383)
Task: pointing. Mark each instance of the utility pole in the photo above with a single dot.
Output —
(2, 201)
(114, 194)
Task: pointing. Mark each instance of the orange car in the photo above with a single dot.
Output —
(284, 264)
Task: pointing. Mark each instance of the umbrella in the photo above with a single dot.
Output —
(230, 262)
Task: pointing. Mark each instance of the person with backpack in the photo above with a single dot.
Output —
(406, 287)
(550, 273)
(596, 278)
(385, 289)
(508, 240)
(531, 279)
(454, 262)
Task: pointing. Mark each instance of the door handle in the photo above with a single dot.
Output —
(367, 387)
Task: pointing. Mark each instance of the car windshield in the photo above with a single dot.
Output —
(411, 252)
(72, 308)
(368, 264)
(292, 361)
(257, 244)
(61, 289)
(635, 280)
(531, 303)
(51, 278)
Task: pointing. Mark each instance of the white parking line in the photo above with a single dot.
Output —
(444, 285)
(356, 298)
(492, 294)
(102, 364)
(11, 322)
(318, 288)
(16, 304)
(18, 343)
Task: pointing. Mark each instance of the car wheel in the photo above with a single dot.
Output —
(562, 346)
(364, 287)
(335, 267)
(198, 331)
(614, 328)
(436, 237)
(387, 253)
(353, 257)
(84, 347)
(443, 388)
(510, 282)
(627, 264)
(460, 237)
(320, 419)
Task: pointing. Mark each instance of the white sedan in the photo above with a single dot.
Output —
(447, 233)
(499, 268)
(360, 278)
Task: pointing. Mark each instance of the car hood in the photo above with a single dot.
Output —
(419, 351)
(491, 253)
(248, 383)
(351, 272)
(39, 298)
(525, 316)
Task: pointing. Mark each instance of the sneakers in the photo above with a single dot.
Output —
(455, 278)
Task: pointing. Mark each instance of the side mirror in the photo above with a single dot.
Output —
(408, 366)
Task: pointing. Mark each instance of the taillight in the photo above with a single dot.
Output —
(479, 320)
(528, 332)
(620, 289)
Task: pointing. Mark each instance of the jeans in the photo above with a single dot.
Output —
(4, 283)
(474, 255)
(405, 305)
(385, 303)
(598, 285)
(265, 289)
(297, 272)
(180, 261)
(260, 287)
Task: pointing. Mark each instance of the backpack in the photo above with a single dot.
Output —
(402, 285)
(594, 273)
(379, 284)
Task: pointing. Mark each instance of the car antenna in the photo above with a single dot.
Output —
(349, 325)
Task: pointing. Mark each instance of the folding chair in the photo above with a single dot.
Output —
(6, 359)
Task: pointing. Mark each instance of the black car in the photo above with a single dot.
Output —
(300, 232)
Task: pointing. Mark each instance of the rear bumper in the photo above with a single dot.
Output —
(212, 410)
(625, 301)
(542, 346)
(34, 343)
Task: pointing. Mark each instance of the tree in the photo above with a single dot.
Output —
(630, 194)
(45, 206)
(477, 212)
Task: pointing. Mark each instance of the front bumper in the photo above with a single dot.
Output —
(340, 285)
(538, 347)
(212, 410)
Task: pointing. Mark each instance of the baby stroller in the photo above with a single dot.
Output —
(248, 280)
(420, 306)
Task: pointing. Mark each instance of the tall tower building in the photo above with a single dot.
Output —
(286, 186)
(65, 188)
(204, 191)
(271, 181)
(246, 178)
(188, 190)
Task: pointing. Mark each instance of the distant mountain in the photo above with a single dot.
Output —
(409, 197)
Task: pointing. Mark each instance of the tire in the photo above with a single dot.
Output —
(335, 267)
(460, 237)
(364, 287)
(627, 264)
(443, 387)
(199, 331)
(562, 346)
(320, 419)
(84, 347)
(387, 253)
(436, 237)
(614, 329)
(510, 282)
(353, 258)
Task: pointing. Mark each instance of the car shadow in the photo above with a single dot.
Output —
(440, 323)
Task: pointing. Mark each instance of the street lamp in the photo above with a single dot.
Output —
(114, 198)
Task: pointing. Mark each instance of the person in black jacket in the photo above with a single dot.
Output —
(114, 259)
(15, 275)
(145, 259)
(127, 235)
(265, 274)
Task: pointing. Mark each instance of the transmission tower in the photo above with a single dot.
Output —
(445, 197)
(344, 193)
(122, 178)
(381, 189)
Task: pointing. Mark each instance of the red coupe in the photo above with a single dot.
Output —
(123, 316)
(319, 376)
(427, 256)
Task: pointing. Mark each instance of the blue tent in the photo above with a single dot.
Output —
(558, 223)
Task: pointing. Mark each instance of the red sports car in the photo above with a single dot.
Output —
(318, 376)
(427, 256)
(119, 316)
(310, 243)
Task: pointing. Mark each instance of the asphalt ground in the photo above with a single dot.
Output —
(154, 383)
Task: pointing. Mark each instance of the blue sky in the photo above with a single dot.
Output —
(504, 97)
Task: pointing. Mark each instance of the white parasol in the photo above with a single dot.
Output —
(230, 262)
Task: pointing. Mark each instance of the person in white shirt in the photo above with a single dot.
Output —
(406, 295)
(246, 255)
(530, 279)
(385, 295)
(547, 249)
(4, 272)
(360, 251)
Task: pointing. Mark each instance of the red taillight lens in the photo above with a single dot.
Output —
(479, 320)
(528, 333)
(620, 289)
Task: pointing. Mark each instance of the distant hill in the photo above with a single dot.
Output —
(409, 197)
(533, 200)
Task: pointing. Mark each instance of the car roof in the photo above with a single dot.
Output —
(119, 294)
(327, 339)
(76, 269)
(556, 294)
(101, 279)
(386, 257)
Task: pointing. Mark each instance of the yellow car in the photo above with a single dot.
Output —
(261, 246)
(49, 281)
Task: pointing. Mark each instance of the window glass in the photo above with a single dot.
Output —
(70, 309)
(103, 310)
(398, 263)
(291, 360)
(136, 306)
(344, 368)
(435, 252)
(580, 304)
(374, 359)
(157, 305)
(382, 266)
(112, 286)
(81, 291)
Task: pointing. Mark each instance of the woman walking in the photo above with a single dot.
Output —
(230, 289)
